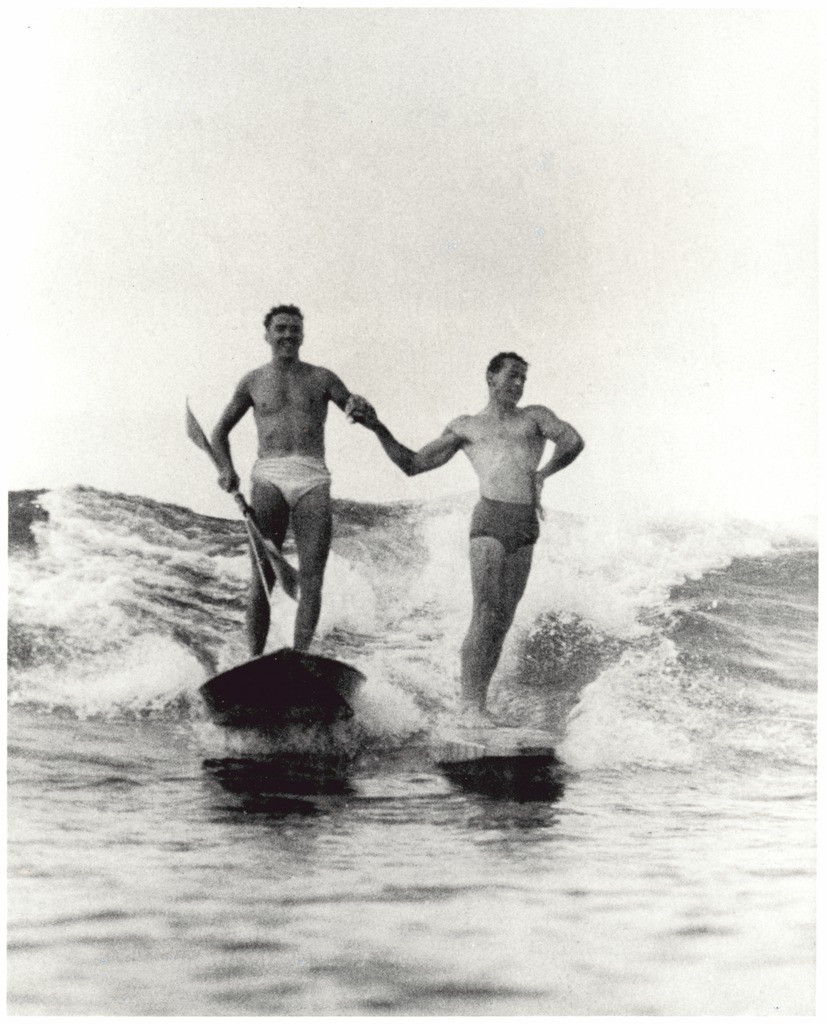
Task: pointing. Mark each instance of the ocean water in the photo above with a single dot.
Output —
(159, 865)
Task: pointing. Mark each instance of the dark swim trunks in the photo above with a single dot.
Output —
(513, 525)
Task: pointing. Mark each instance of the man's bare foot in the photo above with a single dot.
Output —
(471, 717)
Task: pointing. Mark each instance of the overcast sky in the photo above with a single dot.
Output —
(626, 197)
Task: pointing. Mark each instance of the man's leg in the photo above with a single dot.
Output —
(313, 528)
(517, 568)
(497, 583)
(272, 515)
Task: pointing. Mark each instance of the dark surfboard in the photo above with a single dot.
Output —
(281, 689)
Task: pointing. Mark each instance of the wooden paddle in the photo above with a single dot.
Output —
(284, 571)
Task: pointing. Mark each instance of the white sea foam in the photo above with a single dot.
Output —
(141, 678)
(632, 713)
(121, 612)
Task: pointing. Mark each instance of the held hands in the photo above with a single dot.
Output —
(359, 410)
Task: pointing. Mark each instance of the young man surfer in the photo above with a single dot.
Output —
(504, 445)
(290, 481)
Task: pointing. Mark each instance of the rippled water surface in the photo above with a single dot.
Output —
(141, 885)
(159, 865)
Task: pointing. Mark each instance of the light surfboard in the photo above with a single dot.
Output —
(492, 758)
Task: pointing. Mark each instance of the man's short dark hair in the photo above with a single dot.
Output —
(496, 363)
(292, 310)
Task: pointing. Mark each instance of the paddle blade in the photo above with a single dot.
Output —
(285, 573)
(197, 435)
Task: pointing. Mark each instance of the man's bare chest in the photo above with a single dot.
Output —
(518, 432)
(287, 396)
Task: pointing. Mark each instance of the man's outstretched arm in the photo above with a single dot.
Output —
(432, 456)
(352, 405)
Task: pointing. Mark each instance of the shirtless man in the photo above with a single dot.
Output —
(290, 481)
(504, 445)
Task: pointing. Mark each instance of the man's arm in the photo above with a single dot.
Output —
(351, 405)
(220, 438)
(431, 456)
(567, 446)
(567, 442)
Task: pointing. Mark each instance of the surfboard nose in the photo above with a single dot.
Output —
(285, 687)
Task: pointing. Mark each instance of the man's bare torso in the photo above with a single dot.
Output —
(290, 408)
(505, 452)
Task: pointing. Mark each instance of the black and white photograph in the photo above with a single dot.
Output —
(412, 511)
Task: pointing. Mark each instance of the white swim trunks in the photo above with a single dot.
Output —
(294, 475)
